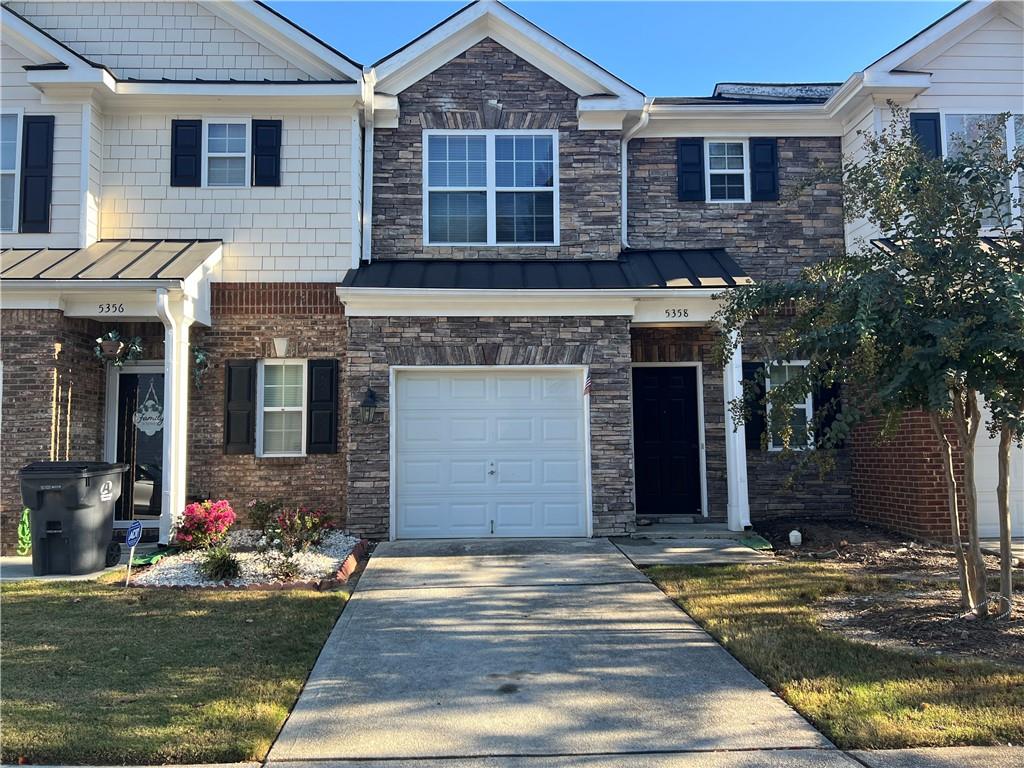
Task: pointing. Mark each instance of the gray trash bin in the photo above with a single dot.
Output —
(72, 513)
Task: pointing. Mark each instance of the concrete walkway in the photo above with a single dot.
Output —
(645, 552)
(532, 653)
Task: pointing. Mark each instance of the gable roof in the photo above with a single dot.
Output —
(39, 46)
(492, 19)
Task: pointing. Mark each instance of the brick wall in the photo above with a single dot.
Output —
(453, 97)
(177, 39)
(898, 482)
(53, 395)
(767, 239)
(603, 344)
(246, 319)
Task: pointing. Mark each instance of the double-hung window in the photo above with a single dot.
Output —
(281, 408)
(727, 171)
(491, 187)
(227, 153)
(800, 418)
(10, 163)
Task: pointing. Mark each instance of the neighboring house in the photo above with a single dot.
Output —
(466, 291)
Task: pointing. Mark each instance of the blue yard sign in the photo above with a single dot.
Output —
(133, 537)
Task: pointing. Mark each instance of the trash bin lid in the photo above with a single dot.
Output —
(71, 468)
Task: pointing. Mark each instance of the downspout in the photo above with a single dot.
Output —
(645, 117)
(369, 84)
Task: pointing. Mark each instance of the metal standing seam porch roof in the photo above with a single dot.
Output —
(634, 269)
(109, 260)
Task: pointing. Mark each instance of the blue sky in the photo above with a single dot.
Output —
(663, 48)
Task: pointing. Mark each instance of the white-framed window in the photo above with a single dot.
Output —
(281, 408)
(776, 375)
(10, 169)
(966, 126)
(727, 171)
(495, 187)
(226, 152)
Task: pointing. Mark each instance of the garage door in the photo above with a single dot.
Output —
(986, 475)
(482, 453)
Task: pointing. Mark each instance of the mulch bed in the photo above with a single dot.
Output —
(917, 606)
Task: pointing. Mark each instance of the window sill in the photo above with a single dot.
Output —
(491, 245)
(282, 457)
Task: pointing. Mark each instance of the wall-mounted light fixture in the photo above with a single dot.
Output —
(368, 408)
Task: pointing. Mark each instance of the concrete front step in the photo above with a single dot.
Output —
(687, 531)
(670, 518)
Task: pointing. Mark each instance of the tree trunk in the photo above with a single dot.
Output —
(967, 417)
(1003, 498)
(946, 450)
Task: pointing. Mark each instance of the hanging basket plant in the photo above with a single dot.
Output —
(112, 348)
(200, 365)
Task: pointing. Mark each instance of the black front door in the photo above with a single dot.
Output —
(666, 439)
(140, 444)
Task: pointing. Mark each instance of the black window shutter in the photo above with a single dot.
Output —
(240, 406)
(764, 169)
(322, 406)
(757, 422)
(690, 156)
(266, 153)
(827, 405)
(186, 153)
(927, 130)
(36, 173)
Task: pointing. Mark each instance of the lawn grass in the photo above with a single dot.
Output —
(93, 673)
(859, 695)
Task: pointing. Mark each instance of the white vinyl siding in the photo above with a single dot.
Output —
(490, 187)
(800, 420)
(10, 164)
(281, 408)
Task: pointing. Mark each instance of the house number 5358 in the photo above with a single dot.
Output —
(676, 313)
(115, 308)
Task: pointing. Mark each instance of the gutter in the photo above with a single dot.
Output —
(645, 116)
(345, 292)
(369, 85)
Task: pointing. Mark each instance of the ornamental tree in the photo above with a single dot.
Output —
(927, 318)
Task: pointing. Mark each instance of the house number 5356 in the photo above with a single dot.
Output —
(676, 313)
(114, 308)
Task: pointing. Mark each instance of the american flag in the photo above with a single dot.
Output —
(587, 386)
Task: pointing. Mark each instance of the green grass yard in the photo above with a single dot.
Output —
(93, 673)
(859, 695)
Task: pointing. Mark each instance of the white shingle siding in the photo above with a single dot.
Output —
(65, 219)
(298, 232)
(176, 39)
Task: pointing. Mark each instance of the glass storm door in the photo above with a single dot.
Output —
(140, 445)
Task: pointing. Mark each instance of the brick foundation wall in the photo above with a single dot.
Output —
(453, 96)
(899, 483)
(246, 319)
(603, 344)
(53, 396)
(774, 239)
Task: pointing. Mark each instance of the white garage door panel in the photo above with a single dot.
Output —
(986, 477)
(481, 453)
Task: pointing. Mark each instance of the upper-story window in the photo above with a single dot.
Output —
(10, 154)
(727, 178)
(227, 153)
(491, 187)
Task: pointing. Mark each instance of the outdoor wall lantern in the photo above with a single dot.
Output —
(368, 408)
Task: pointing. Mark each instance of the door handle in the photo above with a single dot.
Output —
(491, 470)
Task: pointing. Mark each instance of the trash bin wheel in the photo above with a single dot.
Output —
(113, 554)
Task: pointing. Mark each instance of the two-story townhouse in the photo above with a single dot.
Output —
(185, 173)
(960, 71)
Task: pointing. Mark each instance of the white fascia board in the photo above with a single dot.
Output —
(491, 19)
(898, 86)
(36, 46)
(240, 89)
(290, 43)
(740, 120)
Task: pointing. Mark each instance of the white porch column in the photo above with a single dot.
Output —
(735, 446)
(176, 369)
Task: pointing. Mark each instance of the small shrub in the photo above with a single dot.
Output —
(286, 568)
(263, 513)
(219, 564)
(298, 529)
(204, 524)
(24, 534)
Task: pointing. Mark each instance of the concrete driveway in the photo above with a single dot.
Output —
(532, 653)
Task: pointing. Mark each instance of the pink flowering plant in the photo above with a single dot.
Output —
(299, 529)
(204, 524)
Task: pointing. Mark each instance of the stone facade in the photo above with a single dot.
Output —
(602, 344)
(453, 96)
(246, 319)
(769, 240)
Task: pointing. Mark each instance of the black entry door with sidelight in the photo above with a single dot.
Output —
(666, 438)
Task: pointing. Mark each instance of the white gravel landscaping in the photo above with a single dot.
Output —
(315, 563)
